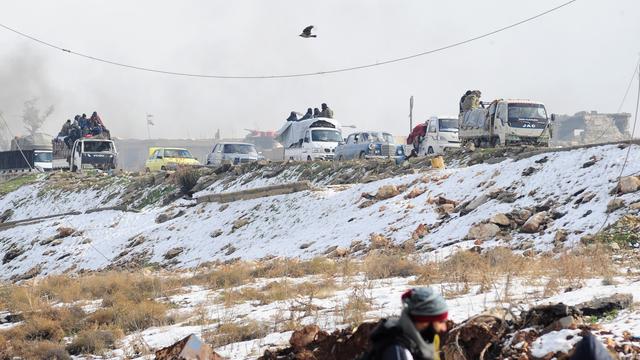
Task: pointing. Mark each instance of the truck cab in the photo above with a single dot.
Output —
(441, 133)
(506, 122)
(311, 139)
(86, 153)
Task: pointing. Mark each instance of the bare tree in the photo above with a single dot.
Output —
(31, 116)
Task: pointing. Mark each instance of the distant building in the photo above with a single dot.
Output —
(590, 128)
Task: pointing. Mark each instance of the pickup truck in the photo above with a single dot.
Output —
(85, 153)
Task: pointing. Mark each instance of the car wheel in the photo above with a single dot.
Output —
(430, 150)
(362, 155)
(308, 157)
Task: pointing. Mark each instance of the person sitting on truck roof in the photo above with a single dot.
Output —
(65, 128)
(74, 134)
(471, 101)
(96, 119)
(462, 99)
(292, 116)
(307, 115)
(326, 111)
(316, 112)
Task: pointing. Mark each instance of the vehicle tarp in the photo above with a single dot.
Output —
(475, 119)
(15, 160)
(293, 131)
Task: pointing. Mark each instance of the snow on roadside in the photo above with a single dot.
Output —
(306, 224)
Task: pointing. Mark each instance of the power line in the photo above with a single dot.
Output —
(294, 75)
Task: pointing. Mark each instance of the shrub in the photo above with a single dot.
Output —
(40, 328)
(380, 266)
(46, 350)
(94, 341)
(230, 332)
(186, 178)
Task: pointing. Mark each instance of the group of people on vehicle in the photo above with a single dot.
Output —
(82, 127)
(326, 112)
(415, 334)
(470, 100)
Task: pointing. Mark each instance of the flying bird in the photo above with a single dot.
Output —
(306, 33)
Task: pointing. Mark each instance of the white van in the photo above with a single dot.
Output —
(311, 139)
(441, 133)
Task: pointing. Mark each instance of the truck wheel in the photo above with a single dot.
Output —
(430, 150)
(308, 157)
(340, 158)
(495, 141)
(362, 155)
(163, 168)
(74, 168)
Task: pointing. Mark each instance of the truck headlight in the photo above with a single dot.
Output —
(372, 146)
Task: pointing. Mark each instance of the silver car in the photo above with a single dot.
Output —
(232, 153)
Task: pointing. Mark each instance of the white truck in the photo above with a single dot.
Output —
(438, 134)
(310, 139)
(506, 122)
(85, 153)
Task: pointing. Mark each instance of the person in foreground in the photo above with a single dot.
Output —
(414, 335)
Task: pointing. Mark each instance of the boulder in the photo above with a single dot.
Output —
(420, 232)
(239, 223)
(561, 236)
(191, 347)
(532, 225)
(173, 253)
(303, 337)
(474, 204)
(614, 205)
(414, 193)
(635, 206)
(387, 192)
(500, 219)
(628, 184)
(483, 231)
(605, 305)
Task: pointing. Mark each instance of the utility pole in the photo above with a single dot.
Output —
(411, 114)
(149, 123)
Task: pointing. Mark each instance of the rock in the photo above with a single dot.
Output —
(483, 231)
(6, 215)
(614, 246)
(11, 254)
(215, 233)
(64, 232)
(340, 252)
(533, 224)
(173, 253)
(614, 205)
(602, 306)
(419, 232)
(529, 171)
(164, 217)
(628, 184)
(561, 236)
(446, 208)
(303, 337)
(30, 274)
(387, 192)
(567, 322)
(635, 206)
(191, 347)
(379, 241)
(589, 163)
(239, 223)
(545, 315)
(414, 193)
(500, 219)
(474, 204)
(521, 216)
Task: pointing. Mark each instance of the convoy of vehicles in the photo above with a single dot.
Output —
(435, 135)
(169, 159)
(369, 145)
(310, 139)
(233, 153)
(84, 154)
(506, 122)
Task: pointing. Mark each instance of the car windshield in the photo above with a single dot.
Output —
(42, 156)
(98, 146)
(448, 125)
(240, 149)
(326, 136)
(381, 138)
(177, 153)
(527, 111)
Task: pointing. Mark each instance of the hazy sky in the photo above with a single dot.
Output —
(579, 58)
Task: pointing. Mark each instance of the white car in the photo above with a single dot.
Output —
(233, 153)
(441, 133)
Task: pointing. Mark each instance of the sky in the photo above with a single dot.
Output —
(578, 58)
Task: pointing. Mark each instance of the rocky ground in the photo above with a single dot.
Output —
(380, 227)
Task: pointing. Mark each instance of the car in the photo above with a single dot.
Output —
(161, 158)
(233, 153)
(369, 145)
(436, 135)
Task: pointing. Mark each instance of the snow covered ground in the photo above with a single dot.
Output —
(384, 296)
(306, 224)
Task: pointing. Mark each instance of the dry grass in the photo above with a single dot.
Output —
(94, 341)
(355, 310)
(279, 291)
(229, 332)
(382, 266)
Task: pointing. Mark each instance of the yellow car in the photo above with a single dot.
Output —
(168, 159)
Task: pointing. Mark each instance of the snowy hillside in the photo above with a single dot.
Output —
(432, 210)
